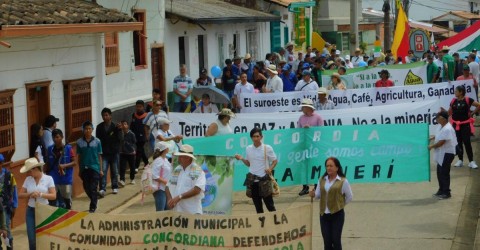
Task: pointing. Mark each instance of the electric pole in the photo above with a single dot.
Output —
(406, 6)
(386, 25)
(353, 26)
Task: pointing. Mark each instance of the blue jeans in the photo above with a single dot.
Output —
(8, 220)
(30, 220)
(112, 161)
(160, 200)
(180, 106)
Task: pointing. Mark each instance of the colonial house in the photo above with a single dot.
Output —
(214, 31)
(70, 59)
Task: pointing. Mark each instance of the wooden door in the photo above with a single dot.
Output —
(158, 70)
(38, 103)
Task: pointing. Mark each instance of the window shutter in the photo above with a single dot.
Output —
(275, 36)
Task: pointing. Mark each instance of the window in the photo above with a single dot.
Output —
(202, 51)
(345, 41)
(236, 45)
(112, 56)
(300, 29)
(275, 36)
(252, 43)
(221, 50)
(78, 106)
(140, 41)
(7, 127)
(182, 50)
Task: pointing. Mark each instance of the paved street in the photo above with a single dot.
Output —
(381, 216)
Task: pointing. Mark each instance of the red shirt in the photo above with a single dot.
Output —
(475, 84)
(381, 83)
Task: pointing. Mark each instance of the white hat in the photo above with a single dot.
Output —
(31, 163)
(185, 150)
(162, 121)
(161, 145)
(289, 44)
(273, 69)
(337, 52)
(347, 57)
(307, 102)
(247, 56)
(322, 90)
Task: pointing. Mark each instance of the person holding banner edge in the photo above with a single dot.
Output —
(261, 160)
(334, 192)
(444, 146)
(461, 118)
(308, 119)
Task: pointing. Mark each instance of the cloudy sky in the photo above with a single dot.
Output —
(424, 9)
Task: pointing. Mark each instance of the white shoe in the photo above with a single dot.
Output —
(473, 165)
(459, 164)
(122, 183)
(101, 193)
(115, 191)
(132, 182)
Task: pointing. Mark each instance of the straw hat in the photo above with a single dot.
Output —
(227, 112)
(445, 48)
(289, 44)
(161, 145)
(31, 163)
(247, 56)
(322, 90)
(330, 63)
(337, 75)
(273, 69)
(185, 150)
(307, 102)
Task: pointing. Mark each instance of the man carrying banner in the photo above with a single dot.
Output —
(261, 160)
(444, 145)
(308, 119)
(384, 81)
(186, 186)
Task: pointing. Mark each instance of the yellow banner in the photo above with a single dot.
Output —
(61, 229)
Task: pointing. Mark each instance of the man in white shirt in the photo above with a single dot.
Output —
(274, 82)
(297, 61)
(151, 122)
(186, 186)
(306, 84)
(242, 87)
(357, 58)
(444, 145)
(474, 67)
(261, 161)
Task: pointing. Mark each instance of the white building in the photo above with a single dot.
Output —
(71, 65)
(215, 31)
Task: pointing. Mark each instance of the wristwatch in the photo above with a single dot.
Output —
(180, 196)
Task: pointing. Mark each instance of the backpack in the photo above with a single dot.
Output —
(147, 182)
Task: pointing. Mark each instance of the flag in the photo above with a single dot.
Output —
(401, 41)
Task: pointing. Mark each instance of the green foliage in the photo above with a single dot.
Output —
(221, 166)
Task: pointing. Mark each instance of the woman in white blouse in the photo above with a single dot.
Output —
(161, 171)
(38, 187)
(222, 125)
(334, 193)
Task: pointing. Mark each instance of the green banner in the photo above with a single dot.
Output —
(368, 153)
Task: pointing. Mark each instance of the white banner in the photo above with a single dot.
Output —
(401, 75)
(195, 125)
(274, 102)
(355, 98)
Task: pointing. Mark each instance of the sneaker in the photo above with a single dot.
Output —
(303, 192)
(444, 196)
(473, 165)
(437, 194)
(91, 211)
(122, 183)
(132, 182)
(136, 170)
(115, 191)
(101, 193)
(459, 164)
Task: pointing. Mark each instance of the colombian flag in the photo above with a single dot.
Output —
(401, 41)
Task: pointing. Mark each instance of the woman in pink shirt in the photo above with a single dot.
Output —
(308, 119)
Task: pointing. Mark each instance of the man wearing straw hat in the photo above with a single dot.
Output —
(274, 82)
(186, 186)
(448, 64)
(308, 119)
(323, 103)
